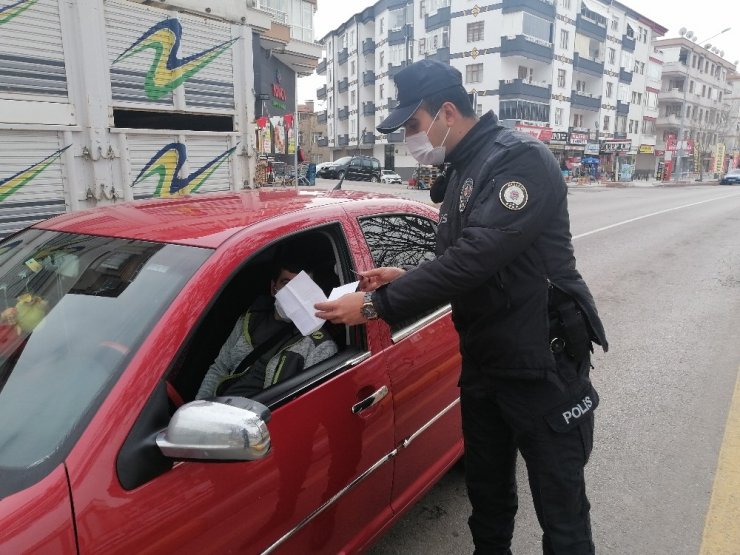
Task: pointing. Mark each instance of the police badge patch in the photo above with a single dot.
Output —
(465, 192)
(513, 195)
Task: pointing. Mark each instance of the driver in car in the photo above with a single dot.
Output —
(263, 334)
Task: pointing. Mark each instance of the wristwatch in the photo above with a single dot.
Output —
(368, 308)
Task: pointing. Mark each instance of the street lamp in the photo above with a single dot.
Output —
(681, 142)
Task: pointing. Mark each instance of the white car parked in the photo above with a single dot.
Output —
(389, 176)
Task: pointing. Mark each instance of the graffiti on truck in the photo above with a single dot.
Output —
(167, 71)
(15, 9)
(12, 184)
(166, 165)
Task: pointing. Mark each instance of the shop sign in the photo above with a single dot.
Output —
(544, 134)
(559, 138)
(577, 138)
(646, 149)
(279, 92)
(591, 148)
(659, 153)
(616, 146)
(674, 145)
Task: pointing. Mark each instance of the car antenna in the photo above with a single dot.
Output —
(338, 186)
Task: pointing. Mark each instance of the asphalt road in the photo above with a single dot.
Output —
(664, 266)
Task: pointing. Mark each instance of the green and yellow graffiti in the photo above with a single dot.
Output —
(11, 184)
(167, 72)
(167, 163)
(14, 10)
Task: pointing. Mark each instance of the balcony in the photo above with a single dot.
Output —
(439, 19)
(276, 15)
(322, 141)
(368, 78)
(675, 95)
(400, 36)
(321, 68)
(321, 93)
(625, 76)
(393, 103)
(515, 89)
(396, 136)
(441, 55)
(527, 47)
(368, 46)
(675, 68)
(394, 69)
(321, 117)
(368, 138)
(668, 121)
(586, 65)
(543, 8)
(343, 85)
(623, 108)
(343, 140)
(590, 28)
(579, 101)
(368, 108)
(343, 113)
(628, 43)
(342, 56)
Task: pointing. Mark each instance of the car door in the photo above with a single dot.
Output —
(323, 488)
(354, 169)
(423, 363)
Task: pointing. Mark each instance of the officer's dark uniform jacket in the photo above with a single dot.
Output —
(496, 263)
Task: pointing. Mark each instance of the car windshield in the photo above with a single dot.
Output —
(343, 161)
(388, 172)
(73, 310)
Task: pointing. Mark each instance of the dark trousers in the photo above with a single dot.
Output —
(551, 423)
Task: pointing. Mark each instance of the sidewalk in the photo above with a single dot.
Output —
(642, 183)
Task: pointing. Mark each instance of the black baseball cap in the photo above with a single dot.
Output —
(416, 82)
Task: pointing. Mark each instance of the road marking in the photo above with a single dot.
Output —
(722, 525)
(651, 215)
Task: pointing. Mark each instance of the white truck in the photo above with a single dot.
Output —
(109, 100)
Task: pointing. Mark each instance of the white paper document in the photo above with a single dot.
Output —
(299, 295)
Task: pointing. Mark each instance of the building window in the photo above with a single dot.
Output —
(558, 116)
(615, 23)
(566, 4)
(612, 55)
(382, 22)
(352, 97)
(381, 59)
(524, 110)
(607, 122)
(474, 73)
(475, 31)
(352, 67)
(422, 9)
(396, 19)
(562, 74)
(564, 35)
(422, 46)
(580, 86)
(577, 120)
(525, 73)
(609, 91)
(382, 91)
(479, 110)
(536, 27)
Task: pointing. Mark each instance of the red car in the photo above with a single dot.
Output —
(110, 319)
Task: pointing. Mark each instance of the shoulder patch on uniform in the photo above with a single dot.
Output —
(465, 192)
(513, 195)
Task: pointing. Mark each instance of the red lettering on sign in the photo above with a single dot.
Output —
(279, 92)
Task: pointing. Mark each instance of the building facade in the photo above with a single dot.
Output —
(312, 134)
(581, 75)
(696, 100)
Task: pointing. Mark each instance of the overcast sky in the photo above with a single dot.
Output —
(704, 17)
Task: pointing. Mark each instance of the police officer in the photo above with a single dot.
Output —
(525, 317)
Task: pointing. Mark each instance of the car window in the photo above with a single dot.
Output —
(367, 164)
(356, 162)
(376, 164)
(344, 160)
(249, 287)
(74, 309)
(403, 241)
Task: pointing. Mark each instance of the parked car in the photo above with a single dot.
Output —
(731, 177)
(111, 318)
(354, 168)
(389, 176)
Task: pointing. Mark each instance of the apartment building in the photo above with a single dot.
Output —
(581, 75)
(311, 133)
(695, 126)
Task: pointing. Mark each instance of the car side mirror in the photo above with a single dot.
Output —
(224, 428)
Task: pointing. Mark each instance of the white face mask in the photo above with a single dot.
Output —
(423, 151)
(280, 311)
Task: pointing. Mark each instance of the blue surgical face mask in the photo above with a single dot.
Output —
(423, 151)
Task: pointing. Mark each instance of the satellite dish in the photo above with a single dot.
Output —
(689, 34)
(721, 53)
(694, 38)
(682, 31)
(707, 46)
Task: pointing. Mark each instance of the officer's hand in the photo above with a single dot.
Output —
(344, 310)
(370, 280)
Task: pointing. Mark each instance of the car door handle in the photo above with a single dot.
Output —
(368, 402)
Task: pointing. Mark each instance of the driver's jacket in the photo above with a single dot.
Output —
(503, 239)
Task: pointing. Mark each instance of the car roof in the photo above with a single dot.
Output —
(205, 220)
